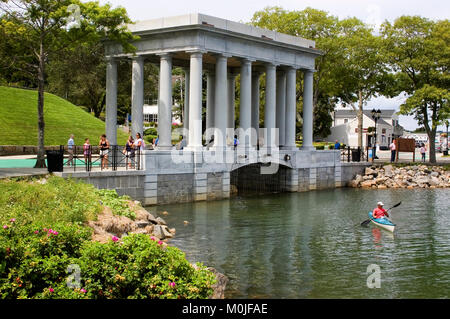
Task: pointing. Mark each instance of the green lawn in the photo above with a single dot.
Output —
(18, 120)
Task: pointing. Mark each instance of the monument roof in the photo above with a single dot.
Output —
(198, 19)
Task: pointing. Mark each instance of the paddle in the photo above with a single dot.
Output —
(364, 223)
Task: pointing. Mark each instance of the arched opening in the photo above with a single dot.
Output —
(259, 178)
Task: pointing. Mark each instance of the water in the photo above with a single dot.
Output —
(311, 245)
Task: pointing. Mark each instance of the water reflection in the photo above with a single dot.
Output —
(311, 245)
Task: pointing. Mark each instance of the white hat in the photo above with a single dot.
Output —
(380, 203)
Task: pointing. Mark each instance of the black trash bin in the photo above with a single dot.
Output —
(356, 155)
(55, 160)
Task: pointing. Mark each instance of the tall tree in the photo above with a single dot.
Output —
(362, 69)
(324, 29)
(418, 51)
(45, 27)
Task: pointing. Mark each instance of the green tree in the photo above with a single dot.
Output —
(362, 69)
(418, 51)
(40, 28)
(347, 71)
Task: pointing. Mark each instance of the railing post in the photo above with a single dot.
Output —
(114, 164)
(139, 158)
(348, 154)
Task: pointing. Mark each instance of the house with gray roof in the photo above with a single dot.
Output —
(345, 127)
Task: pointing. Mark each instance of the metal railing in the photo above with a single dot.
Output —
(354, 154)
(87, 158)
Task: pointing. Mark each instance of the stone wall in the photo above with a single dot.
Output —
(164, 181)
(350, 170)
(124, 182)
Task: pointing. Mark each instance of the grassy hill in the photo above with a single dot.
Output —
(18, 120)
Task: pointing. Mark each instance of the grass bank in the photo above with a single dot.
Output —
(18, 120)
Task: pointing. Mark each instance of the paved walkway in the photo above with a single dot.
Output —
(385, 156)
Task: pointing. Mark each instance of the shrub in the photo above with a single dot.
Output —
(34, 264)
(151, 131)
(34, 257)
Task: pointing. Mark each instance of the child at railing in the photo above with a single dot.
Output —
(87, 152)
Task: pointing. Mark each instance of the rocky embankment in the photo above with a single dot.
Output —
(108, 225)
(388, 176)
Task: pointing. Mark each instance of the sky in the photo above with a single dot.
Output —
(371, 11)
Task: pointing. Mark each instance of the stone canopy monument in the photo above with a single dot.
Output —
(222, 50)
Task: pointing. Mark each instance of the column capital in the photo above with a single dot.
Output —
(223, 55)
(247, 60)
(138, 58)
(271, 64)
(196, 52)
(111, 59)
(309, 71)
(165, 55)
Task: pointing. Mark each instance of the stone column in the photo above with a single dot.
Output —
(195, 102)
(210, 96)
(165, 103)
(291, 109)
(255, 107)
(308, 111)
(220, 102)
(269, 112)
(137, 96)
(281, 106)
(245, 118)
(111, 100)
(186, 103)
(231, 119)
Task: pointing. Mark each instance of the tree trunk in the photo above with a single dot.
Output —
(431, 138)
(360, 120)
(40, 163)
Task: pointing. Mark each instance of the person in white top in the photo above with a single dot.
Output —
(393, 148)
(139, 145)
(423, 151)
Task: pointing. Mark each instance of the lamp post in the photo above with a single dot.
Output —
(375, 116)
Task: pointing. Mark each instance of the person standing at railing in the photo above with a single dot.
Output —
(393, 148)
(104, 150)
(139, 145)
(423, 151)
(70, 147)
(87, 152)
(337, 145)
(129, 152)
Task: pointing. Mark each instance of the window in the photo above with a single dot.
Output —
(151, 118)
(383, 131)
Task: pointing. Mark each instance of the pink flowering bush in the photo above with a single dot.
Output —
(43, 231)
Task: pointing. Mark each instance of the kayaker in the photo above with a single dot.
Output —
(379, 212)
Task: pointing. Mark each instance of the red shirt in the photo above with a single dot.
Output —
(378, 212)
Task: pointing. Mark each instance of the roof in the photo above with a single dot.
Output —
(196, 19)
(352, 113)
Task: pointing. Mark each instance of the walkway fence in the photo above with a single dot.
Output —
(355, 154)
(81, 158)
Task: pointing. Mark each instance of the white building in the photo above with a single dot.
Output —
(151, 114)
(345, 128)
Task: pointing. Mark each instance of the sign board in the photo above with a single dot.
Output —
(405, 145)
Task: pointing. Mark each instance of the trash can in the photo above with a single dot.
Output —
(445, 153)
(55, 160)
(356, 155)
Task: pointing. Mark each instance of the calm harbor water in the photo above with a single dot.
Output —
(311, 245)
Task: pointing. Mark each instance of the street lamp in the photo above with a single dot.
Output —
(375, 116)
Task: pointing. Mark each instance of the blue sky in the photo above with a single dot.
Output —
(370, 11)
